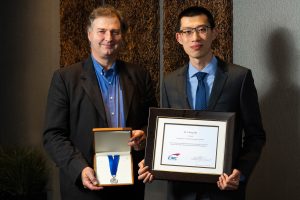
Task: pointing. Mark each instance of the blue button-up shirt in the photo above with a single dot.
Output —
(112, 95)
(192, 81)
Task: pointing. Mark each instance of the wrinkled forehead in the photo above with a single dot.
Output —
(110, 21)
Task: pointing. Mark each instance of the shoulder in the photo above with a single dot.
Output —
(133, 71)
(74, 71)
(232, 69)
(71, 69)
(130, 67)
(178, 72)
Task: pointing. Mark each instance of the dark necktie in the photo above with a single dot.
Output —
(201, 92)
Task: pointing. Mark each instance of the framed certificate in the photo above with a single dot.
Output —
(113, 160)
(189, 145)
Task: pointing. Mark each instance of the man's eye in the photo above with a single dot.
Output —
(101, 31)
(201, 30)
(188, 32)
(115, 32)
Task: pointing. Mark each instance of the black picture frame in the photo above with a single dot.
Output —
(155, 144)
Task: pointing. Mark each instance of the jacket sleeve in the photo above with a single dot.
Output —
(56, 136)
(254, 134)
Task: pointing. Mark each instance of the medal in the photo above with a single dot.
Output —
(113, 166)
(114, 180)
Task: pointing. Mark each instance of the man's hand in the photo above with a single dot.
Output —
(89, 180)
(144, 173)
(137, 141)
(229, 182)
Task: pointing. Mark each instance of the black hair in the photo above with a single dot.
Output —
(195, 11)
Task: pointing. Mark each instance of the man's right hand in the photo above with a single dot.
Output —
(144, 173)
(89, 180)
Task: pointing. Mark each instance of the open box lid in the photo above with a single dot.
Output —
(112, 139)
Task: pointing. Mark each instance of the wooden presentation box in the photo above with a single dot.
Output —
(113, 160)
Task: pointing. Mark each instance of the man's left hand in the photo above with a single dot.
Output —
(230, 182)
(137, 140)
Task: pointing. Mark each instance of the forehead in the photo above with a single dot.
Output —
(193, 21)
(107, 22)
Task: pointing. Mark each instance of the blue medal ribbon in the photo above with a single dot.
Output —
(113, 164)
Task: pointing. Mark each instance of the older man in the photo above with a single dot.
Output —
(99, 92)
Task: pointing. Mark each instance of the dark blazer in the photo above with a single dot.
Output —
(75, 106)
(233, 91)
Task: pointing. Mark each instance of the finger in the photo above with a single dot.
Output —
(232, 183)
(226, 176)
(219, 185)
(151, 178)
(227, 185)
(233, 177)
(131, 143)
(135, 145)
(143, 170)
(136, 134)
(143, 176)
(147, 178)
(88, 184)
(231, 187)
(93, 187)
(235, 174)
(134, 138)
(223, 182)
(141, 164)
(91, 176)
(222, 179)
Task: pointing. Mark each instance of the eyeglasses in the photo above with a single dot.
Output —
(199, 30)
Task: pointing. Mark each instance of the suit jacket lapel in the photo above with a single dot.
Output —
(126, 86)
(219, 82)
(181, 85)
(91, 87)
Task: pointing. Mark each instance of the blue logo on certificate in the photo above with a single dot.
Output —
(173, 156)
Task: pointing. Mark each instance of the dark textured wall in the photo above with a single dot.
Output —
(74, 43)
(143, 36)
(174, 56)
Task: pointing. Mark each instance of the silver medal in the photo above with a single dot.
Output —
(114, 180)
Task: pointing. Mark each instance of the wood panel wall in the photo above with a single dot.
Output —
(174, 55)
(142, 40)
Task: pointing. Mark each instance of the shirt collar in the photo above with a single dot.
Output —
(99, 68)
(210, 68)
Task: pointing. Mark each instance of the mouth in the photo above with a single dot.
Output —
(107, 46)
(196, 46)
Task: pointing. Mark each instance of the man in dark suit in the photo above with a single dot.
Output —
(99, 92)
(227, 88)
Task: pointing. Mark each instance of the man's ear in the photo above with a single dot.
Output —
(179, 38)
(215, 33)
(89, 33)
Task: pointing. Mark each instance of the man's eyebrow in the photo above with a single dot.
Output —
(195, 26)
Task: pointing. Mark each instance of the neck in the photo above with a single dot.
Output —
(200, 63)
(105, 62)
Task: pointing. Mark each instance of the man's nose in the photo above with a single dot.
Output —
(195, 35)
(108, 36)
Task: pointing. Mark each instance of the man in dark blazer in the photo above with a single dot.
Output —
(228, 88)
(99, 92)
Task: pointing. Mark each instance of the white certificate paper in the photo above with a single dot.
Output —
(189, 145)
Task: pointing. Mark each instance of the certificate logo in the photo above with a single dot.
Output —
(173, 156)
